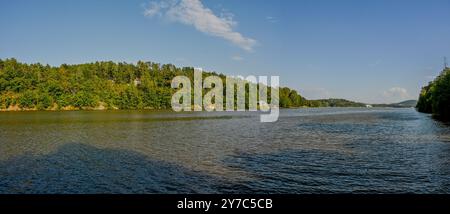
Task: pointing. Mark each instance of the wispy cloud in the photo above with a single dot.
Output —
(194, 13)
(376, 63)
(237, 58)
(271, 19)
(395, 94)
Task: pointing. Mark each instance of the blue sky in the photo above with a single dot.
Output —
(370, 51)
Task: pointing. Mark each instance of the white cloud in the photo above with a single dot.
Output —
(396, 94)
(154, 8)
(194, 13)
(237, 58)
(271, 19)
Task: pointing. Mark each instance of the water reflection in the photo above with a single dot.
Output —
(79, 168)
(307, 150)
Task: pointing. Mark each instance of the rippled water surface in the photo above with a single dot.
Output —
(323, 150)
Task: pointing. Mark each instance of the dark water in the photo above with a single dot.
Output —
(340, 150)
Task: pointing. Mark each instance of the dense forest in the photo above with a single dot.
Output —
(144, 85)
(336, 103)
(101, 85)
(435, 97)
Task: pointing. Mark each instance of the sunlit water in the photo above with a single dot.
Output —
(323, 150)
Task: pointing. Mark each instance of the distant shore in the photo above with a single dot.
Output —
(72, 108)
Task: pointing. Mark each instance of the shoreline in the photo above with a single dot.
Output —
(170, 110)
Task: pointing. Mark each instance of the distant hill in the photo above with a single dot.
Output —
(333, 102)
(408, 103)
(404, 104)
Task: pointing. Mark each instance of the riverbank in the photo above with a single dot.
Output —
(56, 108)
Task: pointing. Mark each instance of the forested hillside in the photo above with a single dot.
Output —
(99, 85)
(435, 97)
(336, 103)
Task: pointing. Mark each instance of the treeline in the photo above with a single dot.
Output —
(100, 85)
(336, 103)
(404, 104)
(435, 97)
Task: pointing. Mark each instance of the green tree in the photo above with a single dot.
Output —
(28, 99)
(435, 97)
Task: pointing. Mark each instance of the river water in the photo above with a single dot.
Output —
(314, 150)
